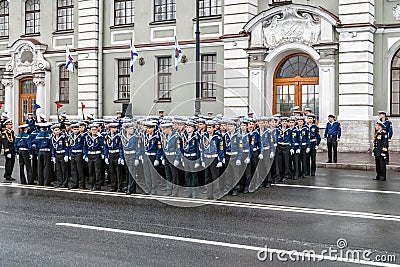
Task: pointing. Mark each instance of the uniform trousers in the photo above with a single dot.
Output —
(61, 170)
(191, 177)
(114, 172)
(9, 166)
(211, 174)
(312, 160)
(25, 163)
(95, 166)
(283, 157)
(78, 178)
(332, 145)
(380, 164)
(43, 168)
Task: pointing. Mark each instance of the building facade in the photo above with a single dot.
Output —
(265, 56)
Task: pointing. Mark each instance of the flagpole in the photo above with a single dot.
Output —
(197, 101)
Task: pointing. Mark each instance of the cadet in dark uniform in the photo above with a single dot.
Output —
(332, 136)
(131, 146)
(153, 151)
(31, 122)
(171, 157)
(191, 151)
(42, 144)
(23, 148)
(113, 146)
(60, 155)
(212, 148)
(285, 149)
(380, 151)
(77, 141)
(94, 153)
(302, 148)
(315, 140)
(8, 142)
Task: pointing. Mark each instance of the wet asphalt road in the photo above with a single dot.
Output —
(31, 234)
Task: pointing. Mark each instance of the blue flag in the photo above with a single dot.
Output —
(37, 106)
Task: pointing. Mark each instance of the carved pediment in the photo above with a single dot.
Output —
(289, 26)
(27, 57)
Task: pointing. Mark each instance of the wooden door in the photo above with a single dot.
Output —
(27, 99)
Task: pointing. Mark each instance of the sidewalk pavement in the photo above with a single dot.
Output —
(357, 161)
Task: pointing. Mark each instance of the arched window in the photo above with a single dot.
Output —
(4, 18)
(63, 84)
(32, 17)
(395, 86)
(296, 83)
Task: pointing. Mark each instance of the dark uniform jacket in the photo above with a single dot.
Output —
(8, 141)
(381, 144)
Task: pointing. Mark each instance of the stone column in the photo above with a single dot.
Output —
(88, 41)
(39, 81)
(356, 77)
(327, 90)
(8, 83)
(257, 96)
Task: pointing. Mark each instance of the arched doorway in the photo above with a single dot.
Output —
(296, 83)
(27, 99)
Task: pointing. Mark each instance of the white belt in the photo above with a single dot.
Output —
(44, 150)
(60, 152)
(77, 151)
(211, 156)
(23, 149)
(113, 151)
(130, 152)
(94, 152)
(266, 147)
(246, 150)
(231, 153)
(283, 144)
(150, 154)
(255, 149)
(190, 155)
(313, 140)
(170, 153)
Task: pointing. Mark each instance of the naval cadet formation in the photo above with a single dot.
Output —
(199, 157)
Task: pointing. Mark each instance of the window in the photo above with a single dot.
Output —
(210, 8)
(2, 89)
(164, 10)
(164, 78)
(4, 18)
(64, 84)
(124, 11)
(296, 83)
(209, 76)
(395, 86)
(65, 15)
(32, 17)
(124, 90)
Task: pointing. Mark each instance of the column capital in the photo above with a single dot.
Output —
(7, 82)
(39, 79)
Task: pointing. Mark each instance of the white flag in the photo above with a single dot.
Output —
(69, 62)
(178, 54)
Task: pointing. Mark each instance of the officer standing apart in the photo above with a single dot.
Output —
(332, 136)
(380, 151)
(388, 128)
(23, 147)
(8, 142)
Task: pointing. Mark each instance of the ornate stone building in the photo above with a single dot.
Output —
(265, 56)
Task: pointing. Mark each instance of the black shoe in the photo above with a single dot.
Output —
(7, 181)
(295, 178)
(112, 190)
(383, 180)
(329, 161)
(376, 179)
(128, 193)
(267, 185)
(245, 191)
(120, 191)
(235, 193)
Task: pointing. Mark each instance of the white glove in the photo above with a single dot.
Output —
(261, 156)
(291, 152)
(163, 162)
(271, 155)
(141, 157)
(17, 156)
(183, 164)
(70, 158)
(8, 156)
(122, 162)
(298, 151)
(136, 162)
(219, 165)
(196, 165)
(316, 147)
(53, 159)
(383, 155)
(107, 161)
(308, 150)
(223, 160)
(102, 156)
(156, 163)
(66, 158)
(238, 162)
(30, 157)
(203, 164)
(86, 159)
(176, 163)
(373, 154)
(247, 160)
